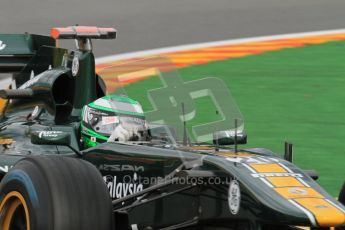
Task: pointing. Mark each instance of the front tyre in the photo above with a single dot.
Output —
(54, 193)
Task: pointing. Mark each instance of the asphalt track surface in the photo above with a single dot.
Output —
(149, 24)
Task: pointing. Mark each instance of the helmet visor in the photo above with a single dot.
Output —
(105, 122)
(102, 122)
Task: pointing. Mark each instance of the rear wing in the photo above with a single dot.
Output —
(16, 50)
(83, 32)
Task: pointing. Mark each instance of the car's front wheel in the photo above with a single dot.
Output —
(54, 193)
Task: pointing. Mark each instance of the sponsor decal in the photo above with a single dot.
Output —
(262, 175)
(321, 206)
(234, 197)
(2, 45)
(128, 186)
(121, 168)
(75, 66)
(252, 159)
(5, 168)
(298, 191)
(110, 120)
(49, 134)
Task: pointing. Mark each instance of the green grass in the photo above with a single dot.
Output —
(296, 95)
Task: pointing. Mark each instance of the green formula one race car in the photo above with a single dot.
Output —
(74, 157)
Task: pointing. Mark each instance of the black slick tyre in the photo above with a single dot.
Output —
(54, 193)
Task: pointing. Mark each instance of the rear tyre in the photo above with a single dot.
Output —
(54, 193)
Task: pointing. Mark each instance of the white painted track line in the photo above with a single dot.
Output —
(138, 54)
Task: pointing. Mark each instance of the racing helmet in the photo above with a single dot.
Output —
(113, 118)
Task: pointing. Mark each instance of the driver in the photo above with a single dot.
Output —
(113, 118)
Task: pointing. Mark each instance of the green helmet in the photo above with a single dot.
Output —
(113, 118)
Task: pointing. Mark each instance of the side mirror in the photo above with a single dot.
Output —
(53, 138)
(50, 138)
(227, 137)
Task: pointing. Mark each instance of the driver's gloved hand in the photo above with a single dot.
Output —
(124, 133)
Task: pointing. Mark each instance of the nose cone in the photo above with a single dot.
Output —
(288, 191)
(326, 213)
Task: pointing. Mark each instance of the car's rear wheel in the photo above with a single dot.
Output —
(54, 193)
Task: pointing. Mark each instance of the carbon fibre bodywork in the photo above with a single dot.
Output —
(206, 200)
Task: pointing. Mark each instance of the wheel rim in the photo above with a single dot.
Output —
(14, 213)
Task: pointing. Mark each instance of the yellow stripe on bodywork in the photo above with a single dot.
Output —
(325, 213)
(268, 168)
(284, 181)
(7, 141)
(298, 192)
